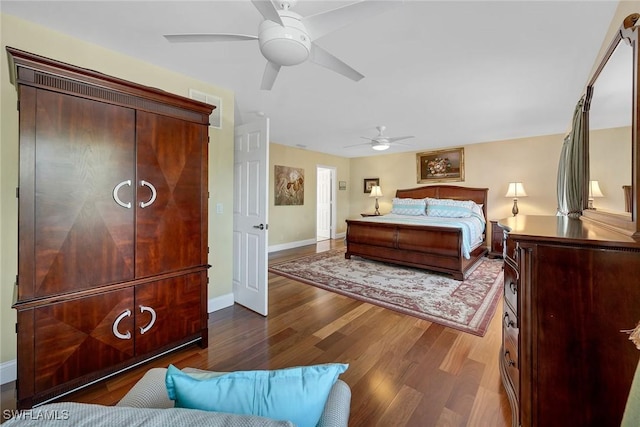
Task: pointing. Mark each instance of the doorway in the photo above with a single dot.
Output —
(325, 206)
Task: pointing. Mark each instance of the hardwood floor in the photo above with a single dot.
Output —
(403, 371)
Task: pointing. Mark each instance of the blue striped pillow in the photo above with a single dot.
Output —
(448, 208)
(409, 206)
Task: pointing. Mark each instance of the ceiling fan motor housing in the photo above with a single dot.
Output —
(285, 45)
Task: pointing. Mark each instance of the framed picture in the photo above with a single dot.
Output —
(439, 166)
(288, 186)
(342, 185)
(370, 182)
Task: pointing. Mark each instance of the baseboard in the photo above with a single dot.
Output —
(220, 302)
(8, 371)
(292, 245)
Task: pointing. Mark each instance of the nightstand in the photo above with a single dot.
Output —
(497, 240)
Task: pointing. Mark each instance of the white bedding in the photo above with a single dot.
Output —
(472, 227)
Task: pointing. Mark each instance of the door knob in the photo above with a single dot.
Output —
(261, 226)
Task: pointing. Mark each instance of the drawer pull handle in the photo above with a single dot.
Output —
(116, 323)
(507, 357)
(116, 196)
(144, 183)
(513, 287)
(508, 322)
(144, 329)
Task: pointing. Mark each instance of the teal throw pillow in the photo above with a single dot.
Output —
(413, 207)
(448, 208)
(293, 394)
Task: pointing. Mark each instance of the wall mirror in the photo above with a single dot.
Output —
(611, 131)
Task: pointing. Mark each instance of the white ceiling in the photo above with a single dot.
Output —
(450, 73)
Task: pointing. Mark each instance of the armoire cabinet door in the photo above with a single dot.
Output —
(82, 336)
(169, 214)
(168, 311)
(83, 156)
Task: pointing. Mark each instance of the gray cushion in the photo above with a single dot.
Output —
(88, 415)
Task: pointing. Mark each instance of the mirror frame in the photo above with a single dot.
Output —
(628, 33)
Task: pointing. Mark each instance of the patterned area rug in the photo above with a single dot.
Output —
(465, 305)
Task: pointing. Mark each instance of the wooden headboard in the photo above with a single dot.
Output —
(478, 195)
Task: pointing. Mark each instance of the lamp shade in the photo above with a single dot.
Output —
(379, 146)
(594, 190)
(375, 191)
(516, 189)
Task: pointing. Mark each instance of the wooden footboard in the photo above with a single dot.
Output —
(429, 247)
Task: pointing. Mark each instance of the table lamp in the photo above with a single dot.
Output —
(515, 190)
(376, 192)
(594, 191)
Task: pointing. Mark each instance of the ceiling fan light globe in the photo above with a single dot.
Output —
(379, 146)
(288, 45)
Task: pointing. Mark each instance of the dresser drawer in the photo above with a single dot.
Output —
(510, 362)
(511, 277)
(510, 325)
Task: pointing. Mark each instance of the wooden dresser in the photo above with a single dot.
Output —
(570, 289)
(112, 228)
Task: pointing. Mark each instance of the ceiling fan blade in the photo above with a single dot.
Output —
(324, 23)
(198, 38)
(268, 10)
(357, 145)
(327, 60)
(399, 138)
(269, 76)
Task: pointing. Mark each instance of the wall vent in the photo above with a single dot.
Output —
(215, 120)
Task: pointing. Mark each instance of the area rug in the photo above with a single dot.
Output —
(465, 305)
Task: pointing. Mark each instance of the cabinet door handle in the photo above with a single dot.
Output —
(144, 183)
(513, 287)
(116, 197)
(114, 328)
(143, 308)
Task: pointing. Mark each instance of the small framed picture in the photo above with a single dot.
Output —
(370, 182)
(342, 185)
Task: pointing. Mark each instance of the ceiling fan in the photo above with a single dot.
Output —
(287, 38)
(381, 142)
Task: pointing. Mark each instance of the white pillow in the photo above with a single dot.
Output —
(477, 209)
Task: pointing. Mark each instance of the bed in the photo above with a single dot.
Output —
(417, 241)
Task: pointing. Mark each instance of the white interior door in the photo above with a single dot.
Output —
(250, 215)
(323, 203)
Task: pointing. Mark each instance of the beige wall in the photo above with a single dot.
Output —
(36, 39)
(298, 223)
(532, 161)
(610, 165)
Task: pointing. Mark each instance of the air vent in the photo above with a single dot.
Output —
(215, 120)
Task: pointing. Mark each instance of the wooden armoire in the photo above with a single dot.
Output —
(112, 232)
